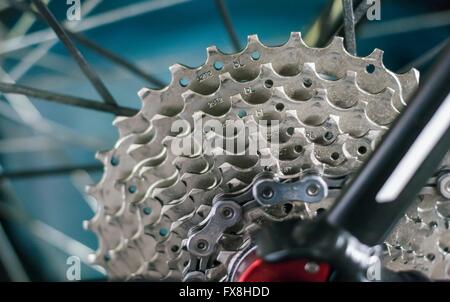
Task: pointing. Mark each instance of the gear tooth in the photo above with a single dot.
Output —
(95, 192)
(188, 94)
(119, 121)
(108, 218)
(134, 151)
(158, 117)
(389, 92)
(102, 156)
(295, 36)
(225, 77)
(212, 50)
(350, 76)
(251, 119)
(127, 125)
(180, 101)
(303, 43)
(144, 92)
(321, 93)
(336, 44)
(99, 258)
(412, 75)
(133, 147)
(377, 54)
(267, 70)
(89, 189)
(236, 99)
(123, 124)
(253, 39)
(87, 225)
(225, 166)
(175, 69)
(92, 190)
(279, 92)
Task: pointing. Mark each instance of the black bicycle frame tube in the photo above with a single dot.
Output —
(410, 153)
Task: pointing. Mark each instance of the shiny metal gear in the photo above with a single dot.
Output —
(332, 109)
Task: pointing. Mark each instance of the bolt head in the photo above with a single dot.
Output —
(227, 212)
(202, 245)
(312, 267)
(313, 190)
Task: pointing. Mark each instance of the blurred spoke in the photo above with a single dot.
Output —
(23, 111)
(49, 171)
(28, 144)
(80, 180)
(29, 60)
(117, 59)
(349, 26)
(116, 15)
(74, 52)
(49, 234)
(51, 129)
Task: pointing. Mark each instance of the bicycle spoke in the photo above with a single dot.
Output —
(41, 57)
(29, 60)
(117, 59)
(349, 26)
(99, 49)
(74, 52)
(226, 18)
(67, 136)
(10, 260)
(23, 112)
(65, 99)
(361, 11)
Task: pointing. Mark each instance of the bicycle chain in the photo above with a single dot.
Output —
(333, 109)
